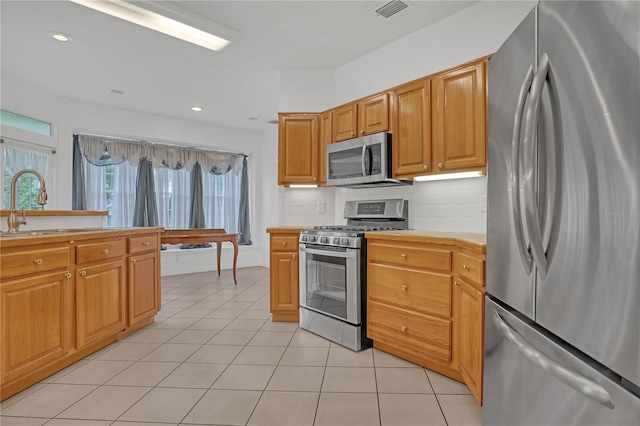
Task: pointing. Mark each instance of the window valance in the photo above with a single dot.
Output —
(103, 150)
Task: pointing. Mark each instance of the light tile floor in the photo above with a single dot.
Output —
(214, 357)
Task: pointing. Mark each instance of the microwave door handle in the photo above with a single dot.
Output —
(364, 160)
(367, 160)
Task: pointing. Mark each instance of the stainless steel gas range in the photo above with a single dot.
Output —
(333, 271)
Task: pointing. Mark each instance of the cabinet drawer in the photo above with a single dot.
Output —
(422, 335)
(471, 268)
(284, 243)
(94, 252)
(411, 255)
(143, 243)
(423, 291)
(30, 261)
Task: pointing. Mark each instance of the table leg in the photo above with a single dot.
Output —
(235, 259)
(219, 250)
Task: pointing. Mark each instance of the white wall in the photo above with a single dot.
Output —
(472, 33)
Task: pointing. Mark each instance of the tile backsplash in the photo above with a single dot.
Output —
(447, 205)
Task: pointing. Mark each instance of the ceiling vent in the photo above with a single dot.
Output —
(389, 9)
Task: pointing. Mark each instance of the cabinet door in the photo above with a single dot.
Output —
(143, 287)
(344, 122)
(412, 129)
(471, 335)
(373, 114)
(100, 301)
(35, 323)
(326, 138)
(284, 286)
(459, 118)
(298, 149)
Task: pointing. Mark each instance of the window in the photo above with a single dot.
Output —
(112, 188)
(23, 122)
(16, 157)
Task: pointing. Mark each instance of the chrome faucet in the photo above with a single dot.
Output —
(13, 221)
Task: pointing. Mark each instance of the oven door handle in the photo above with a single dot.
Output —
(348, 254)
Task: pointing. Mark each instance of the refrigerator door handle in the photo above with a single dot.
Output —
(525, 254)
(582, 384)
(532, 214)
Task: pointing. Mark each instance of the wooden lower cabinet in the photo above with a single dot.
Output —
(36, 323)
(283, 274)
(61, 301)
(426, 305)
(100, 301)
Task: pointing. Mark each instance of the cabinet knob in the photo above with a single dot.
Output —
(362, 132)
(133, 261)
(456, 282)
(404, 287)
(315, 178)
(352, 134)
(294, 256)
(426, 167)
(466, 267)
(83, 273)
(440, 165)
(403, 328)
(404, 256)
(146, 243)
(105, 251)
(38, 261)
(67, 275)
(284, 243)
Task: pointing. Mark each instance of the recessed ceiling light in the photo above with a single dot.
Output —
(196, 108)
(60, 36)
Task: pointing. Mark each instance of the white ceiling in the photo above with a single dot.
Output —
(166, 76)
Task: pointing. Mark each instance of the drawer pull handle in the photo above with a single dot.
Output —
(284, 243)
(83, 273)
(404, 256)
(404, 287)
(466, 267)
(67, 275)
(105, 251)
(38, 261)
(133, 261)
(403, 328)
(146, 243)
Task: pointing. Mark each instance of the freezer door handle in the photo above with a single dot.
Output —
(585, 386)
(532, 214)
(525, 253)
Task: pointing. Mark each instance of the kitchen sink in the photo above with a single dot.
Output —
(57, 231)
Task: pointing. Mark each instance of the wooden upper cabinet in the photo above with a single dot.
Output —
(412, 129)
(373, 114)
(345, 122)
(326, 138)
(298, 148)
(459, 118)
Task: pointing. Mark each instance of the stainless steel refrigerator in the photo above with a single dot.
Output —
(562, 312)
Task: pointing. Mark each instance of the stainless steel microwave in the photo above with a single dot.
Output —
(361, 162)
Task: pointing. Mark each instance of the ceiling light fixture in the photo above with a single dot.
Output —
(159, 21)
(56, 35)
(446, 176)
(196, 108)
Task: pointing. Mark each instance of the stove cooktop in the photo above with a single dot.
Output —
(352, 228)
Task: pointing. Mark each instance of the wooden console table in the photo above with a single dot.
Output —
(201, 236)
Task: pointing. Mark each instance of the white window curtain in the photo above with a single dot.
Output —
(19, 156)
(173, 194)
(112, 188)
(221, 199)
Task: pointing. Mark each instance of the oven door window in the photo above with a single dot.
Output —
(326, 286)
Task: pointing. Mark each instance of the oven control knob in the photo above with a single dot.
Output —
(345, 241)
(303, 238)
(324, 240)
(311, 238)
(336, 241)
